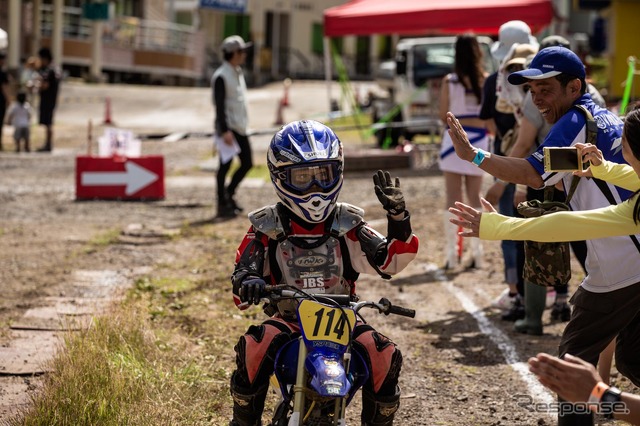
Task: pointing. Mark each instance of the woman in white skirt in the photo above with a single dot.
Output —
(461, 93)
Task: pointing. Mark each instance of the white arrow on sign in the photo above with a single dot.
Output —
(134, 177)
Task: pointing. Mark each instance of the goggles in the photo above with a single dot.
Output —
(302, 178)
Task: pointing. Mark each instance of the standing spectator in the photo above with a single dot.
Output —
(501, 193)
(4, 93)
(607, 303)
(533, 130)
(49, 83)
(29, 77)
(230, 100)
(20, 118)
(462, 92)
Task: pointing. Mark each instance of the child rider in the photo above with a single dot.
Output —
(305, 162)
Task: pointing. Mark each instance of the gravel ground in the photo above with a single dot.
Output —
(463, 365)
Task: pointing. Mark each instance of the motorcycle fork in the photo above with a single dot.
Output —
(299, 388)
(301, 385)
(341, 403)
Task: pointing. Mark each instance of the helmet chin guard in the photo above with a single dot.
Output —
(305, 163)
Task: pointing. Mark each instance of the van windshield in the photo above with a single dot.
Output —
(432, 61)
(436, 60)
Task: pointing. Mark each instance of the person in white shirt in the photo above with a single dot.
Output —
(20, 118)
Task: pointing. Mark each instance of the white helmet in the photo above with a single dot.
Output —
(306, 164)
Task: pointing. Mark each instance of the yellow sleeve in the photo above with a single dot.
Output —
(621, 175)
(605, 222)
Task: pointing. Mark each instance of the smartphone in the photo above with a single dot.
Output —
(562, 159)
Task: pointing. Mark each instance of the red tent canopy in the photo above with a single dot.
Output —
(418, 17)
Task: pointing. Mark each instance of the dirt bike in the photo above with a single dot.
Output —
(318, 374)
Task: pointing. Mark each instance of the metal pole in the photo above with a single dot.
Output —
(275, 46)
(13, 54)
(36, 35)
(96, 50)
(56, 35)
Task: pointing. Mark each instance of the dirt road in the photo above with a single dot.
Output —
(463, 365)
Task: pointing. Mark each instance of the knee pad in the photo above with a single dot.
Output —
(256, 351)
(383, 359)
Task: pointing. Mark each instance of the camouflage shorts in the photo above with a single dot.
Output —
(545, 264)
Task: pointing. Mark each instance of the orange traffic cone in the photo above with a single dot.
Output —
(107, 111)
(279, 114)
(285, 96)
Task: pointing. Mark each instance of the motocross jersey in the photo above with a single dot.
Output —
(319, 258)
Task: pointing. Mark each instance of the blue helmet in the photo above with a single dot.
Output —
(306, 163)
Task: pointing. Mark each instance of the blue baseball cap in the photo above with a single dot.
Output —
(550, 62)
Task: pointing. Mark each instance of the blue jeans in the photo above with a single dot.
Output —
(509, 248)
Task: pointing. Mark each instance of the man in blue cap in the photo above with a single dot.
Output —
(607, 303)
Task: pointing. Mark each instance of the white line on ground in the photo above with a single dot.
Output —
(506, 346)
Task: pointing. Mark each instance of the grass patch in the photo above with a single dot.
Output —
(104, 239)
(164, 355)
(118, 372)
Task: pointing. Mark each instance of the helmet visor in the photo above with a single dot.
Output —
(305, 177)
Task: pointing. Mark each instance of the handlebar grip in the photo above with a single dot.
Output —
(399, 310)
(389, 308)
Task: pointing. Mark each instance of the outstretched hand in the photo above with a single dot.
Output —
(389, 193)
(460, 139)
(571, 378)
(469, 218)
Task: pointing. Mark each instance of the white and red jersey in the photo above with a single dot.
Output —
(318, 258)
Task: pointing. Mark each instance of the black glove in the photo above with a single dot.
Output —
(252, 290)
(390, 195)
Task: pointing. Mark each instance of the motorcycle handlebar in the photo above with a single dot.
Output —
(384, 305)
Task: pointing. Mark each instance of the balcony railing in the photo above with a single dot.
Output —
(125, 31)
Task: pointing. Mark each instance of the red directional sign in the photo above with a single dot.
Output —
(122, 179)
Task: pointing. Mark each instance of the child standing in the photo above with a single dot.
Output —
(20, 118)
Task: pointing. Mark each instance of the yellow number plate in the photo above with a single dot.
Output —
(323, 322)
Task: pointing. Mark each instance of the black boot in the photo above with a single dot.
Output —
(379, 410)
(561, 311)
(225, 209)
(232, 202)
(247, 404)
(516, 311)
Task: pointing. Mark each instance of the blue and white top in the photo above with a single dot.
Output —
(612, 263)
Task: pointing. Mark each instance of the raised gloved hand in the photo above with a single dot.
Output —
(252, 290)
(389, 193)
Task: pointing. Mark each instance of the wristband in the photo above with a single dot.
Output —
(596, 395)
(481, 154)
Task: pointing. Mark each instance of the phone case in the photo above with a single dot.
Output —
(561, 164)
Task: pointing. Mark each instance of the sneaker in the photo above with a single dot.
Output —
(551, 298)
(516, 311)
(503, 301)
(561, 312)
